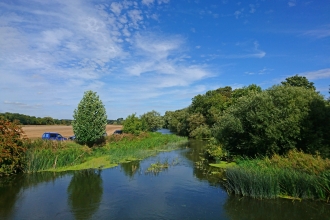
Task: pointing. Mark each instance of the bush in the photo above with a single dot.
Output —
(11, 147)
(90, 120)
(132, 125)
(151, 121)
(277, 120)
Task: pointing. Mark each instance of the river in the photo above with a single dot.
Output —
(182, 191)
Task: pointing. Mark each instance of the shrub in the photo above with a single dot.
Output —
(132, 125)
(11, 147)
(277, 120)
(151, 121)
(90, 120)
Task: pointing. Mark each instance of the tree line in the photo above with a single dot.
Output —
(32, 120)
(251, 121)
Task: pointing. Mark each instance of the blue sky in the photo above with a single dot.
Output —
(153, 54)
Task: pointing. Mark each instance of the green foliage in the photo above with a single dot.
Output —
(177, 122)
(90, 120)
(211, 104)
(270, 122)
(299, 81)
(32, 120)
(245, 91)
(44, 155)
(201, 132)
(11, 147)
(215, 151)
(151, 121)
(296, 175)
(132, 125)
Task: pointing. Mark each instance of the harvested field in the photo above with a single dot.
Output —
(36, 131)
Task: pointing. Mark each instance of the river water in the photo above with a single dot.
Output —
(183, 191)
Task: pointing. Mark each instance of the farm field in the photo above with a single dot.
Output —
(36, 131)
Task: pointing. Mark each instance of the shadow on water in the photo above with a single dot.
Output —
(85, 193)
(130, 168)
(11, 188)
(238, 208)
(201, 168)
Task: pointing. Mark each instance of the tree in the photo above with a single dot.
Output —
(299, 81)
(275, 121)
(132, 125)
(151, 121)
(89, 120)
(12, 147)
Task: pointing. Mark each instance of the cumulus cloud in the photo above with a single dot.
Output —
(53, 51)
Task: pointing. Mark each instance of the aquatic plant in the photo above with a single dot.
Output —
(294, 175)
(58, 156)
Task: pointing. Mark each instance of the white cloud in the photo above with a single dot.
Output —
(319, 33)
(136, 17)
(318, 74)
(252, 8)
(148, 2)
(54, 51)
(116, 8)
(292, 3)
(255, 52)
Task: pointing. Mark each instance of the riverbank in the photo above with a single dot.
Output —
(62, 156)
(294, 176)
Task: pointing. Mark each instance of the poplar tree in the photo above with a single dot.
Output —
(90, 120)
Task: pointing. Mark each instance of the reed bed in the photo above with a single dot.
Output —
(296, 175)
(51, 155)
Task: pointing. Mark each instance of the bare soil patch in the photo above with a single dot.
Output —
(36, 131)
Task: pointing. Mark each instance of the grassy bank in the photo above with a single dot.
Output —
(296, 175)
(61, 156)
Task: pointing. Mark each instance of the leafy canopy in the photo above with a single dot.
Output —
(299, 81)
(274, 121)
(90, 120)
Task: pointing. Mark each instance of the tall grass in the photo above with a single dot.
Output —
(51, 155)
(296, 175)
(43, 155)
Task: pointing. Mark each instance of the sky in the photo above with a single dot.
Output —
(146, 55)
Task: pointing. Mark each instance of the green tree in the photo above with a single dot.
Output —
(132, 125)
(151, 121)
(12, 147)
(274, 121)
(299, 81)
(89, 120)
(238, 93)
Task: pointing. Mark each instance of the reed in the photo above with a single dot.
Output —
(294, 175)
(59, 156)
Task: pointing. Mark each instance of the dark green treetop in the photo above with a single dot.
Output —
(299, 81)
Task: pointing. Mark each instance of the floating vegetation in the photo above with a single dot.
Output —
(223, 164)
(156, 168)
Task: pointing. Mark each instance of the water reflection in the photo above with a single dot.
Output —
(85, 193)
(130, 168)
(249, 209)
(183, 191)
(201, 168)
(11, 189)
